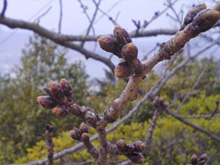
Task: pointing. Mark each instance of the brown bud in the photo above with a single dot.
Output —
(56, 90)
(122, 37)
(203, 158)
(76, 134)
(85, 137)
(194, 159)
(75, 109)
(205, 20)
(123, 70)
(60, 111)
(136, 157)
(121, 145)
(108, 44)
(192, 13)
(129, 52)
(67, 88)
(46, 102)
(139, 146)
(84, 128)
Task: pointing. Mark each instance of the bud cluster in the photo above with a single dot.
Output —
(132, 151)
(120, 45)
(200, 19)
(158, 102)
(199, 161)
(81, 133)
(59, 97)
(192, 13)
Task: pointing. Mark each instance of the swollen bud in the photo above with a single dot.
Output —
(108, 44)
(203, 158)
(67, 88)
(129, 52)
(46, 102)
(60, 111)
(122, 37)
(194, 159)
(123, 70)
(84, 128)
(139, 146)
(85, 137)
(76, 134)
(206, 19)
(121, 145)
(56, 89)
(192, 13)
(136, 157)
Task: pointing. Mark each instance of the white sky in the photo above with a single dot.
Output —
(75, 22)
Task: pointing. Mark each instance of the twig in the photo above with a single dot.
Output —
(213, 114)
(197, 128)
(61, 16)
(43, 14)
(50, 144)
(191, 89)
(5, 3)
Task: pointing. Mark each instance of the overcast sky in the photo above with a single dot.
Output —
(75, 22)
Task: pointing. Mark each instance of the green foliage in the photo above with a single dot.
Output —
(22, 120)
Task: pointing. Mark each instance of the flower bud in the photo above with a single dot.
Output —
(194, 159)
(139, 146)
(56, 90)
(108, 44)
(192, 13)
(85, 137)
(75, 109)
(46, 102)
(123, 70)
(60, 111)
(129, 52)
(122, 37)
(121, 145)
(67, 88)
(204, 21)
(136, 157)
(84, 128)
(76, 134)
(203, 158)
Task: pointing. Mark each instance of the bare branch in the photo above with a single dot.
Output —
(61, 16)
(5, 3)
(191, 89)
(57, 38)
(197, 128)
(213, 114)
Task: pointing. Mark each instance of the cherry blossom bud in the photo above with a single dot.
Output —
(129, 52)
(56, 90)
(46, 102)
(123, 70)
(108, 43)
(60, 111)
(122, 37)
(84, 128)
(67, 88)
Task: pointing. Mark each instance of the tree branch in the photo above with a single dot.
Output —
(2, 14)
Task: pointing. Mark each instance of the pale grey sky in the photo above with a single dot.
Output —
(75, 22)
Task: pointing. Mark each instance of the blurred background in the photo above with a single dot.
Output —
(28, 62)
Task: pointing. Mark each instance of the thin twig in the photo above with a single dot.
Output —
(5, 3)
(191, 89)
(197, 128)
(61, 16)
